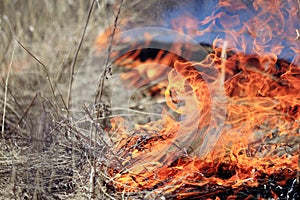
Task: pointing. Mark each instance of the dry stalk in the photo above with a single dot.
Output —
(45, 70)
(24, 114)
(69, 104)
(99, 91)
(98, 97)
(5, 92)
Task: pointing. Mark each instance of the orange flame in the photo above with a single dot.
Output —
(258, 62)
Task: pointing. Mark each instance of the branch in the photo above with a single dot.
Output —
(99, 91)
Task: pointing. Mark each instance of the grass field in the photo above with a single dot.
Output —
(40, 157)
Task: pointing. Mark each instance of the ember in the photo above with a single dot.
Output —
(229, 127)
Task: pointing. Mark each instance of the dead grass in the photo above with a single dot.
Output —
(43, 155)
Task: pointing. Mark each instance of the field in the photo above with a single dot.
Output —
(41, 45)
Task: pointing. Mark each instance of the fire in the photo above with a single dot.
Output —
(254, 66)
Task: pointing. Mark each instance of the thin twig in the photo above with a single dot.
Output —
(5, 92)
(76, 56)
(99, 91)
(25, 113)
(45, 70)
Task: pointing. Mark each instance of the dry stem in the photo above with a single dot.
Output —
(69, 104)
(5, 92)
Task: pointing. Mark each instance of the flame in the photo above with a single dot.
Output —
(255, 58)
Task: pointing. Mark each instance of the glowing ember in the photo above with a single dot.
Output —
(255, 59)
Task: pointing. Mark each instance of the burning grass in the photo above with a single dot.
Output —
(259, 159)
(243, 142)
(218, 120)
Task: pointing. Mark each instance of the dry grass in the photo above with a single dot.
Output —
(43, 155)
(52, 146)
